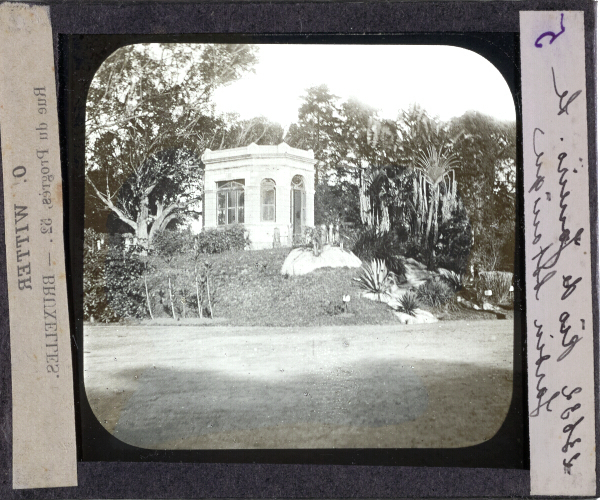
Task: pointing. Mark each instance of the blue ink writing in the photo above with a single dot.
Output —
(553, 36)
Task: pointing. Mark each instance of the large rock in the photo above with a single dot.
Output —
(303, 261)
(420, 316)
(392, 299)
(416, 273)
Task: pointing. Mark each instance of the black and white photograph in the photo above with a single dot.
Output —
(299, 246)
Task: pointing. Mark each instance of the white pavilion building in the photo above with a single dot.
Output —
(268, 189)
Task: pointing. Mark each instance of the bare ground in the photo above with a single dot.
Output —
(446, 384)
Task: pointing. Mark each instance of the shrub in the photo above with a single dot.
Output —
(224, 239)
(371, 245)
(412, 248)
(498, 282)
(453, 248)
(113, 285)
(333, 309)
(435, 292)
(169, 243)
(409, 302)
(453, 279)
(374, 277)
(124, 285)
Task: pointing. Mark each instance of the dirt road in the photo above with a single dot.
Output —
(446, 384)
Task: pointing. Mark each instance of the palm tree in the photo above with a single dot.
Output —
(436, 184)
(379, 193)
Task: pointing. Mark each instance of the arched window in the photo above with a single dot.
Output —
(267, 200)
(230, 202)
(298, 182)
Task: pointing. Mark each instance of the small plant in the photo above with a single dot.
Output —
(334, 309)
(498, 282)
(313, 236)
(374, 277)
(435, 293)
(386, 246)
(453, 279)
(409, 303)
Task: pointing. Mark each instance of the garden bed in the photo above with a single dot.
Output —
(248, 289)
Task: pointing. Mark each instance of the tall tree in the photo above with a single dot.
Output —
(437, 187)
(149, 118)
(356, 149)
(486, 152)
(418, 131)
(318, 128)
(237, 133)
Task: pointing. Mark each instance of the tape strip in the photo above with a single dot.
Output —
(44, 451)
(560, 358)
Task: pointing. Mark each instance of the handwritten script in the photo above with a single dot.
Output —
(558, 266)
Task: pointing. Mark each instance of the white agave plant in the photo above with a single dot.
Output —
(374, 277)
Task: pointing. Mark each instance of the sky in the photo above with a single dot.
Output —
(445, 81)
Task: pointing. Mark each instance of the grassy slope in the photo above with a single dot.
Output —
(250, 291)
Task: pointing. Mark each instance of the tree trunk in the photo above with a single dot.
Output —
(141, 231)
(429, 221)
(171, 299)
(416, 219)
(422, 204)
(148, 297)
(435, 220)
(200, 315)
(208, 297)
(366, 214)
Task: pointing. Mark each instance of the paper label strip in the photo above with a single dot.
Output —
(44, 449)
(560, 350)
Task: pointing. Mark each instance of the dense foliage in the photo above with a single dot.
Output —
(454, 246)
(386, 247)
(435, 293)
(112, 281)
(220, 240)
(449, 185)
(173, 278)
(148, 120)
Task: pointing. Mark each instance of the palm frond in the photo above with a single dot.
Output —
(435, 164)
